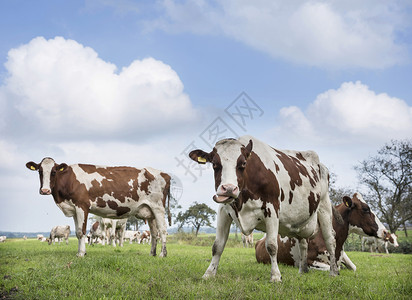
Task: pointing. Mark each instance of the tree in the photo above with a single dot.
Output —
(198, 215)
(336, 193)
(133, 221)
(388, 179)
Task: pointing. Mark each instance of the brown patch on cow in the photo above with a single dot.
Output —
(300, 156)
(277, 168)
(294, 168)
(214, 249)
(283, 252)
(290, 197)
(95, 226)
(100, 202)
(313, 203)
(112, 204)
(282, 195)
(121, 210)
(217, 167)
(236, 205)
(259, 183)
(144, 186)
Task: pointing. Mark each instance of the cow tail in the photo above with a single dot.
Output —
(168, 195)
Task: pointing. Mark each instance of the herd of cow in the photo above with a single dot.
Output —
(281, 192)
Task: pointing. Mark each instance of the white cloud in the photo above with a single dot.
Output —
(351, 112)
(317, 33)
(65, 87)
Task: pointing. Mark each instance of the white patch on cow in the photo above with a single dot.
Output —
(229, 152)
(67, 207)
(86, 178)
(295, 252)
(47, 165)
(320, 266)
(131, 184)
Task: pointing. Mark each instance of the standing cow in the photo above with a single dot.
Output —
(247, 240)
(97, 232)
(113, 192)
(59, 232)
(274, 191)
(353, 216)
(379, 245)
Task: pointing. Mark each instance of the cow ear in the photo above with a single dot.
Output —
(248, 148)
(32, 166)
(200, 156)
(61, 167)
(347, 201)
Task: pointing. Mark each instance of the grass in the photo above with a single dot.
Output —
(33, 270)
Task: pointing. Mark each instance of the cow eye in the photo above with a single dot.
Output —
(242, 165)
(366, 209)
(53, 172)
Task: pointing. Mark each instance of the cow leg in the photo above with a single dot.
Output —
(153, 233)
(222, 232)
(325, 222)
(80, 222)
(303, 249)
(272, 230)
(347, 262)
(162, 228)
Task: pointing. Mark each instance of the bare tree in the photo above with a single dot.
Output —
(388, 178)
(336, 193)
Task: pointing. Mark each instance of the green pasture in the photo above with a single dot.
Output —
(34, 270)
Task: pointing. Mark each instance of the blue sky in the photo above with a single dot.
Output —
(136, 82)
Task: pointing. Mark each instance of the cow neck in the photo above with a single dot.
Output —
(341, 230)
(65, 182)
(260, 183)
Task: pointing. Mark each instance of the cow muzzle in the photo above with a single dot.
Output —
(45, 192)
(226, 193)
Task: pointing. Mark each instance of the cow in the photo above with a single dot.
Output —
(145, 237)
(3, 238)
(40, 237)
(260, 187)
(353, 215)
(112, 192)
(379, 245)
(59, 232)
(247, 240)
(97, 232)
(131, 235)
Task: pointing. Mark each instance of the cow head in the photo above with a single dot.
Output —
(48, 170)
(393, 238)
(362, 220)
(229, 158)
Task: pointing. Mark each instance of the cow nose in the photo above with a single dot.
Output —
(45, 192)
(229, 189)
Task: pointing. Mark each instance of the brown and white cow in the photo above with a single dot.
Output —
(97, 232)
(376, 245)
(274, 191)
(113, 192)
(59, 232)
(247, 240)
(354, 216)
(145, 237)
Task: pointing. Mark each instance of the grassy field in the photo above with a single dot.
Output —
(33, 270)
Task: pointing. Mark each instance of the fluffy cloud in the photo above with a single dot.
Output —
(62, 86)
(352, 112)
(316, 33)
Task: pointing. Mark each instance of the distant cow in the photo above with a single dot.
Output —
(131, 235)
(59, 232)
(3, 238)
(271, 190)
(145, 237)
(353, 216)
(113, 192)
(247, 240)
(114, 230)
(377, 245)
(40, 237)
(97, 232)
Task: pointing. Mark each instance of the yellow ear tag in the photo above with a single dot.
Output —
(32, 168)
(201, 160)
(346, 203)
(61, 169)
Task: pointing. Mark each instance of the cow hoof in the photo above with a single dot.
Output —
(276, 279)
(81, 254)
(208, 275)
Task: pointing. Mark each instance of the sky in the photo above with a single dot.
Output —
(141, 83)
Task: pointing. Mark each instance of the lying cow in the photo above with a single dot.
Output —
(247, 240)
(379, 246)
(59, 232)
(113, 192)
(274, 191)
(354, 216)
(40, 237)
(3, 238)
